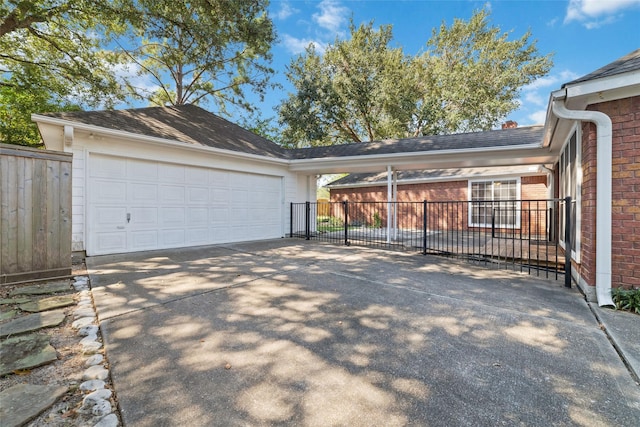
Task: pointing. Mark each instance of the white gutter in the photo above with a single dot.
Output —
(603, 191)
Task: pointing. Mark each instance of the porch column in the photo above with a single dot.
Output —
(395, 205)
(389, 199)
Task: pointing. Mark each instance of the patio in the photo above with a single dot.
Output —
(290, 332)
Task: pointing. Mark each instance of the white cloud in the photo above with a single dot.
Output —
(131, 73)
(596, 13)
(297, 46)
(329, 22)
(332, 16)
(286, 10)
(538, 117)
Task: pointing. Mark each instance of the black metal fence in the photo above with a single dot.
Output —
(523, 235)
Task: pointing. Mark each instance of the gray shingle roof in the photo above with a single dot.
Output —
(629, 62)
(193, 125)
(494, 138)
(414, 175)
(185, 123)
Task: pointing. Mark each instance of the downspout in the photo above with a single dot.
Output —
(603, 192)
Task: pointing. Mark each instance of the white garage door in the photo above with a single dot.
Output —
(137, 205)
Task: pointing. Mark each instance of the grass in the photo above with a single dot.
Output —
(627, 299)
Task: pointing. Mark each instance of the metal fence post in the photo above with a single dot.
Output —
(307, 221)
(291, 221)
(567, 242)
(345, 209)
(424, 227)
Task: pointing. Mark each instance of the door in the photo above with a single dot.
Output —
(137, 205)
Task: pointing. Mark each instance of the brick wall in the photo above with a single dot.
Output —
(625, 210)
(440, 216)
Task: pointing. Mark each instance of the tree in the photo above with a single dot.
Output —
(362, 89)
(472, 76)
(201, 51)
(50, 58)
(355, 92)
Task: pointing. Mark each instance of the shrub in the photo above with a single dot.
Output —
(627, 299)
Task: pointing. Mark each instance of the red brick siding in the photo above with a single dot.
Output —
(625, 209)
(450, 216)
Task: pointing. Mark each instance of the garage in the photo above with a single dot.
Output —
(136, 205)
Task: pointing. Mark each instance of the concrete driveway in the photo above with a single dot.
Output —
(289, 332)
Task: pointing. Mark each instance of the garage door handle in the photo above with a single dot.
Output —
(120, 227)
(128, 217)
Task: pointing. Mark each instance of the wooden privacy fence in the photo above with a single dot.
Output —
(35, 214)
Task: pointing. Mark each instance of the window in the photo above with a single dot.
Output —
(570, 186)
(494, 202)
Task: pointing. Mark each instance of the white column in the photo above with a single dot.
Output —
(389, 199)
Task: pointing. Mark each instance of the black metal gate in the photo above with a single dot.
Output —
(530, 236)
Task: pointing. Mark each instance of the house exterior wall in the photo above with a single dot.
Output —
(447, 208)
(625, 210)
(295, 186)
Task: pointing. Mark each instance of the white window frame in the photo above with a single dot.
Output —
(564, 185)
(493, 180)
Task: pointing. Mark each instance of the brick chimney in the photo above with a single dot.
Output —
(509, 124)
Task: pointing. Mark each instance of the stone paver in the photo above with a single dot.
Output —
(25, 352)
(43, 288)
(6, 315)
(46, 304)
(23, 402)
(18, 300)
(32, 322)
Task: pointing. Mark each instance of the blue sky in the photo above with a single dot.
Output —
(583, 34)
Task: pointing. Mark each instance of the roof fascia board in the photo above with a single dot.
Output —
(491, 155)
(155, 140)
(458, 177)
(604, 84)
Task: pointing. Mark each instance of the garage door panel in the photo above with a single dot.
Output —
(172, 194)
(172, 238)
(144, 217)
(197, 216)
(140, 170)
(174, 174)
(220, 196)
(108, 217)
(174, 206)
(109, 192)
(147, 239)
(218, 178)
(199, 195)
(198, 236)
(172, 217)
(197, 175)
(143, 193)
(108, 167)
(110, 242)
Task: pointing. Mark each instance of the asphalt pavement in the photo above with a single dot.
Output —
(290, 332)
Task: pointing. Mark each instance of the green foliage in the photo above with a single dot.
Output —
(377, 220)
(363, 89)
(200, 51)
(16, 105)
(267, 128)
(627, 299)
(56, 55)
(51, 60)
(329, 223)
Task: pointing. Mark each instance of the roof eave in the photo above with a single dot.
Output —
(530, 154)
(38, 118)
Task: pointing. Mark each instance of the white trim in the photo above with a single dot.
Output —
(470, 182)
(539, 171)
(576, 253)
